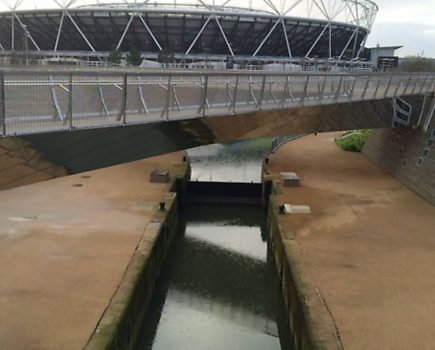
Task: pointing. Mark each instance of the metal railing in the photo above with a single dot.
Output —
(49, 101)
(280, 141)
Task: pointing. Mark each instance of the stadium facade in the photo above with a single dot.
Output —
(263, 30)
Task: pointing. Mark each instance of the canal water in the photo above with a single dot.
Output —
(239, 161)
(218, 290)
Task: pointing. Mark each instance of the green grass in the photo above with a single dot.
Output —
(353, 141)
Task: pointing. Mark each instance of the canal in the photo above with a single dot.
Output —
(218, 289)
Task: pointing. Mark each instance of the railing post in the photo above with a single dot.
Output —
(365, 87)
(70, 103)
(285, 91)
(229, 96)
(142, 97)
(174, 93)
(236, 88)
(422, 110)
(251, 92)
(165, 111)
(407, 84)
(204, 101)
(398, 86)
(377, 87)
(340, 83)
(55, 100)
(322, 92)
(2, 104)
(415, 85)
(124, 100)
(260, 100)
(346, 86)
(102, 100)
(388, 86)
(422, 85)
(352, 89)
(304, 95)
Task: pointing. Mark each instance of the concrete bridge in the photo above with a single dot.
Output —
(89, 119)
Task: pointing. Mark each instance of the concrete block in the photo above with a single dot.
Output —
(295, 209)
(290, 180)
(159, 176)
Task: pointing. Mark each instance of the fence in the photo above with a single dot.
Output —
(42, 101)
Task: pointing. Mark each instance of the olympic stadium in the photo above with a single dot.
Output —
(260, 30)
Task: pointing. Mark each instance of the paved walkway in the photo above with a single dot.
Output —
(64, 246)
(369, 245)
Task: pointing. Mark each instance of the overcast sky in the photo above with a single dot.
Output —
(410, 23)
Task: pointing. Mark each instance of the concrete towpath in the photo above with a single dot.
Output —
(368, 245)
(64, 247)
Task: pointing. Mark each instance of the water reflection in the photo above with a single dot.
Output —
(234, 162)
(217, 290)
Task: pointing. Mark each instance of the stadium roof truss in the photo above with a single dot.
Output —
(327, 29)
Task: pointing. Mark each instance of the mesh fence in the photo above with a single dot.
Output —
(40, 102)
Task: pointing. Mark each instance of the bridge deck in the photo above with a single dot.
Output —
(38, 102)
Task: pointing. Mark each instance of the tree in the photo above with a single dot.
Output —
(134, 57)
(115, 57)
(166, 56)
(417, 64)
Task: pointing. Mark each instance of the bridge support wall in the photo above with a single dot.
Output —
(408, 153)
(21, 164)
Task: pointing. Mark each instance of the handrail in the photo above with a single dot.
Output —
(196, 73)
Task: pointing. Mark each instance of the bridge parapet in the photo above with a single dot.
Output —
(61, 100)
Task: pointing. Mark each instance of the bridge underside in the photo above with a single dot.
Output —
(86, 150)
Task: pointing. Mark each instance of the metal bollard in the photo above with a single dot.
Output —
(162, 206)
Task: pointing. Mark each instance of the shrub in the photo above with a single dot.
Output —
(353, 141)
(115, 57)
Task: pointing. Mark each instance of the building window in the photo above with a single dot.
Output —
(426, 152)
(420, 162)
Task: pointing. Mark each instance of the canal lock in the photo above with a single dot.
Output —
(218, 288)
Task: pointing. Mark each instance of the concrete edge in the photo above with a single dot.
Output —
(308, 315)
(120, 323)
